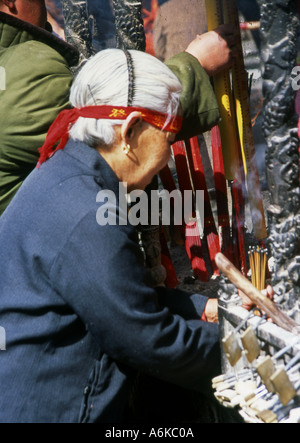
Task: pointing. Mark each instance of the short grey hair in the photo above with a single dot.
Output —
(104, 81)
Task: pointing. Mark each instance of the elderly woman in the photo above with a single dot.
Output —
(80, 320)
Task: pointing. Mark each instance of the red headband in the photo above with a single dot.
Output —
(59, 130)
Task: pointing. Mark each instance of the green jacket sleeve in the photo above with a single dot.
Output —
(37, 89)
(38, 84)
(198, 101)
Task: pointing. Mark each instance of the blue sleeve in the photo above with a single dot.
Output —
(99, 273)
(188, 306)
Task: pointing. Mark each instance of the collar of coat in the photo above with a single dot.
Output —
(14, 31)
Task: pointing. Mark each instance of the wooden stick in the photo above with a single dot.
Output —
(263, 302)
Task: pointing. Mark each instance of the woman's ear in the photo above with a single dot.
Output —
(130, 127)
(10, 4)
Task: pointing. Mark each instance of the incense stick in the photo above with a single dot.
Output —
(258, 260)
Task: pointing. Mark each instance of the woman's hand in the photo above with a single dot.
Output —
(215, 50)
(248, 304)
(212, 311)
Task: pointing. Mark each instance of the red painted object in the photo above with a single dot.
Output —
(193, 241)
(199, 182)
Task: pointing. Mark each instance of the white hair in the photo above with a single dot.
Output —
(104, 81)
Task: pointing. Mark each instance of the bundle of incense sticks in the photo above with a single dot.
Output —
(258, 258)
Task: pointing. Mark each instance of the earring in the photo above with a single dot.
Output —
(126, 149)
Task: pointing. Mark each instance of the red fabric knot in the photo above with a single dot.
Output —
(58, 133)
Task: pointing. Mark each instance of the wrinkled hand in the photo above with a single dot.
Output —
(212, 307)
(212, 310)
(216, 50)
(248, 304)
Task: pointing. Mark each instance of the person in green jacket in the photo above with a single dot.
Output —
(38, 77)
